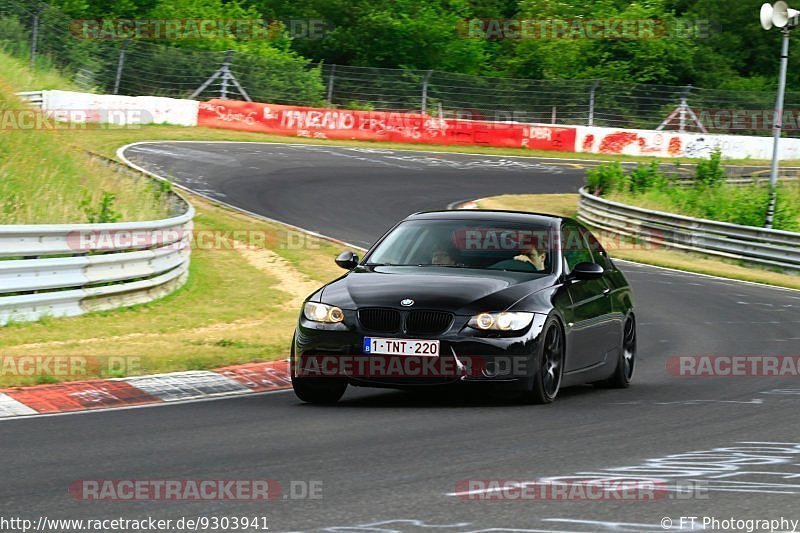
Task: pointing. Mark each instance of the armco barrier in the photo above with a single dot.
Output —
(409, 127)
(69, 269)
(115, 109)
(611, 141)
(762, 246)
(33, 98)
(380, 126)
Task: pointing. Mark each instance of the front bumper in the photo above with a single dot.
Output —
(465, 356)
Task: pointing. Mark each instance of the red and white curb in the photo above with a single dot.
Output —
(144, 390)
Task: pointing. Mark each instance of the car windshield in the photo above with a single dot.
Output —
(477, 244)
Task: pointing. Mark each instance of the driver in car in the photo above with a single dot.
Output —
(442, 255)
(534, 257)
(531, 260)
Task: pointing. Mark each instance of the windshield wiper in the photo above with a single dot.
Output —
(392, 264)
(458, 265)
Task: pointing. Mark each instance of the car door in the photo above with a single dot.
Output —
(619, 295)
(590, 324)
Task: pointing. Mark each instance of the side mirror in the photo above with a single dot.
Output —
(587, 270)
(347, 260)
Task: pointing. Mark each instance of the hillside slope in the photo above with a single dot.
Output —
(43, 179)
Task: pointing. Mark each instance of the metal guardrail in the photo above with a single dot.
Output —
(69, 269)
(33, 98)
(773, 248)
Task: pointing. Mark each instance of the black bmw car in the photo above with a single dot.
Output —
(517, 301)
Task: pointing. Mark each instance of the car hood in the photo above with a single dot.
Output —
(462, 291)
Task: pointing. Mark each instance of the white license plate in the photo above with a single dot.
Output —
(379, 346)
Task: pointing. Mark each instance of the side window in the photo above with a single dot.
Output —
(599, 253)
(574, 247)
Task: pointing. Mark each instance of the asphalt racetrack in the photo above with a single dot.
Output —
(393, 461)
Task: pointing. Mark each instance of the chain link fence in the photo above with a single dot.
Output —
(575, 102)
(44, 35)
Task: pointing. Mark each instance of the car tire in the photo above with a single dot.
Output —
(544, 385)
(623, 373)
(315, 390)
(319, 390)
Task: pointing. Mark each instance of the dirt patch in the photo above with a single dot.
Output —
(297, 284)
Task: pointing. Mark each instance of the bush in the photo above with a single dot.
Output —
(605, 179)
(709, 172)
(104, 212)
(787, 208)
(646, 177)
(745, 205)
(711, 197)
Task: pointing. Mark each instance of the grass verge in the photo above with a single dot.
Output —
(567, 205)
(44, 180)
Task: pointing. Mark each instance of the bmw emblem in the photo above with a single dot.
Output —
(408, 302)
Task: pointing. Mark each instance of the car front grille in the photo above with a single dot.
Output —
(422, 322)
(428, 322)
(380, 319)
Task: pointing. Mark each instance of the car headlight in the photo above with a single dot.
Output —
(319, 312)
(503, 321)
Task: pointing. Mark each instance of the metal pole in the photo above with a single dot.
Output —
(777, 122)
(553, 116)
(225, 70)
(34, 37)
(424, 105)
(682, 115)
(329, 100)
(684, 105)
(241, 90)
(120, 63)
(595, 83)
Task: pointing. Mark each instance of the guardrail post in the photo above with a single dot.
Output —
(223, 72)
(777, 124)
(329, 99)
(592, 92)
(226, 66)
(35, 35)
(683, 106)
(424, 105)
(120, 64)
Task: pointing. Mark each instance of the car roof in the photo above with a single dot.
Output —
(490, 214)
